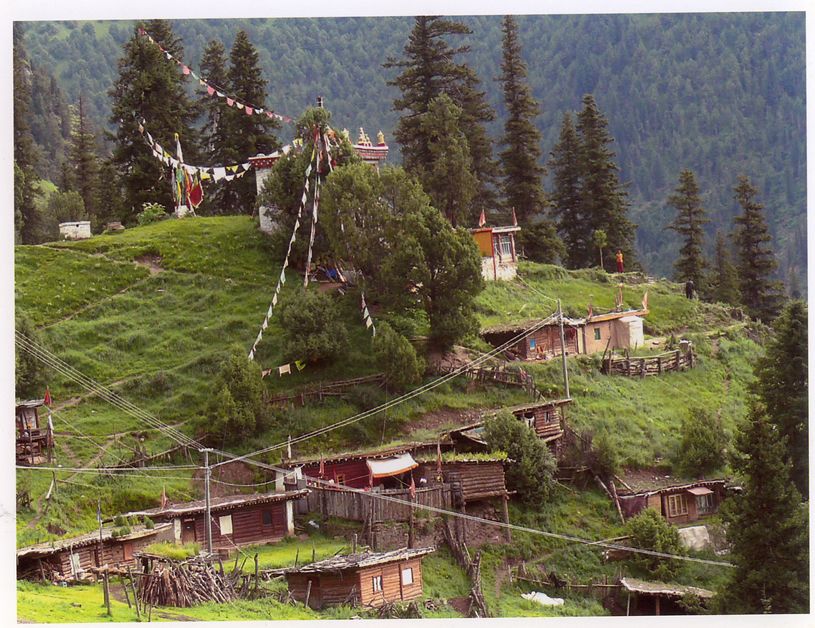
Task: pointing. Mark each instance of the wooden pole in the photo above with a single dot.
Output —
(124, 587)
(411, 531)
(135, 595)
(563, 352)
(107, 591)
(308, 592)
(257, 581)
(207, 475)
(507, 531)
(657, 606)
(354, 544)
(628, 605)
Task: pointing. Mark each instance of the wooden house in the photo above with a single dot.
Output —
(72, 558)
(678, 503)
(612, 330)
(659, 598)
(366, 579)
(499, 260)
(236, 519)
(33, 439)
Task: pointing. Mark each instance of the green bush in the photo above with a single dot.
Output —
(235, 411)
(649, 530)
(703, 443)
(397, 358)
(151, 212)
(533, 468)
(312, 328)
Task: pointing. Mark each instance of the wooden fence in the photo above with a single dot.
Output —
(323, 390)
(517, 378)
(676, 360)
(355, 506)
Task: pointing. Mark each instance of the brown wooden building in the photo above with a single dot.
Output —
(72, 558)
(369, 579)
(34, 440)
(678, 503)
(659, 598)
(236, 520)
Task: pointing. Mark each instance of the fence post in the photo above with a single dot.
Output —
(642, 367)
(659, 364)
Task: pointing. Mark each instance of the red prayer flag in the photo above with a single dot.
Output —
(249, 111)
(514, 218)
(230, 102)
(196, 194)
(482, 219)
(185, 69)
(47, 400)
(210, 90)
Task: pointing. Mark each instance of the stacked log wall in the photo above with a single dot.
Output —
(356, 506)
(247, 526)
(478, 480)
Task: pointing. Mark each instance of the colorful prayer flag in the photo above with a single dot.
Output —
(482, 219)
(47, 400)
(285, 370)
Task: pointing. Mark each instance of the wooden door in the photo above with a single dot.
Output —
(127, 551)
(188, 531)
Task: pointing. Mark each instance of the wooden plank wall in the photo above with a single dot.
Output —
(356, 506)
(247, 526)
(480, 480)
(392, 588)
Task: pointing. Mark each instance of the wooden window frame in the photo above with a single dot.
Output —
(704, 504)
(265, 513)
(408, 570)
(597, 335)
(677, 505)
(340, 479)
(376, 583)
(221, 520)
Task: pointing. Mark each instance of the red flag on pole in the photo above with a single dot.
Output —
(482, 219)
(47, 400)
(322, 467)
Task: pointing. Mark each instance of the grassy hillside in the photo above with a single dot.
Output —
(151, 312)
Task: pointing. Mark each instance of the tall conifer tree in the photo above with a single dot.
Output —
(783, 385)
(429, 69)
(28, 222)
(151, 87)
(245, 135)
(84, 159)
(722, 282)
(213, 69)
(756, 262)
(603, 202)
(767, 527)
(688, 223)
(565, 197)
(520, 159)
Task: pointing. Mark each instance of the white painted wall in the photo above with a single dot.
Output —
(506, 271)
(80, 230)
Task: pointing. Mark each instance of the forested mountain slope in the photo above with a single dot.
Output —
(721, 94)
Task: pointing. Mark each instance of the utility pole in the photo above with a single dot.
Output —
(207, 474)
(563, 351)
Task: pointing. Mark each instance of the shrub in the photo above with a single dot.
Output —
(149, 523)
(151, 212)
(602, 458)
(313, 332)
(532, 472)
(703, 443)
(397, 358)
(649, 530)
(235, 410)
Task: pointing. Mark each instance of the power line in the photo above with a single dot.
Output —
(398, 400)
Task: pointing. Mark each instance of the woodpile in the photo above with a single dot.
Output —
(186, 583)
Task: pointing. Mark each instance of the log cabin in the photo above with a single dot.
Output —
(366, 579)
(598, 332)
(72, 558)
(236, 519)
(679, 503)
(33, 440)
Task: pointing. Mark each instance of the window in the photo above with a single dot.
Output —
(597, 333)
(267, 517)
(677, 505)
(377, 583)
(532, 343)
(505, 246)
(704, 504)
(341, 479)
(407, 575)
(75, 566)
(225, 524)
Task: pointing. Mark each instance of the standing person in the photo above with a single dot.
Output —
(619, 257)
(689, 288)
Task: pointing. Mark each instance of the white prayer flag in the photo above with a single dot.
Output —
(296, 224)
(260, 337)
(366, 314)
(218, 173)
(373, 331)
(282, 276)
(285, 369)
(274, 301)
(220, 94)
(286, 263)
(252, 354)
(229, 177)
(277, 288)
(265, 324)
(239, 105)
(270, 311)
(368, 323)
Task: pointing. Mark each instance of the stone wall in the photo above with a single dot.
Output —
(79, 230)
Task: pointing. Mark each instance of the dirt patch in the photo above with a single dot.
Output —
(455, 357)
(446, 418)
(238, 473)
(150, 262)
(460, 605)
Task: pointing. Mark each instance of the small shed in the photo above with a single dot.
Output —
(547, 418)
(542, 344)
(678, 502)
(236, 519)
(72, 558)
(78, 230)
(613, 330)
(473, 477)
(33, 440)
(365, 579)
(659, 598)
(497, 247)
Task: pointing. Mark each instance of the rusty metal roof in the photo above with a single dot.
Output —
(358, 561)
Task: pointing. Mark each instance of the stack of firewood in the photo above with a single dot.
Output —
(185, 583)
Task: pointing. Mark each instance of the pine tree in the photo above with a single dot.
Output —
(722, 283)
(245, 135)
(782, 383)
(756, 263)
(767, 527)
(150, 87)
(603, 199)
(447, 177)
(85, 163)
(27, 219)
(520, 160)
(690, 216)
(213, 69)
(428, 69)
(565, 197)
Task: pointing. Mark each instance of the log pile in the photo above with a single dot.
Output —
(186, 583)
